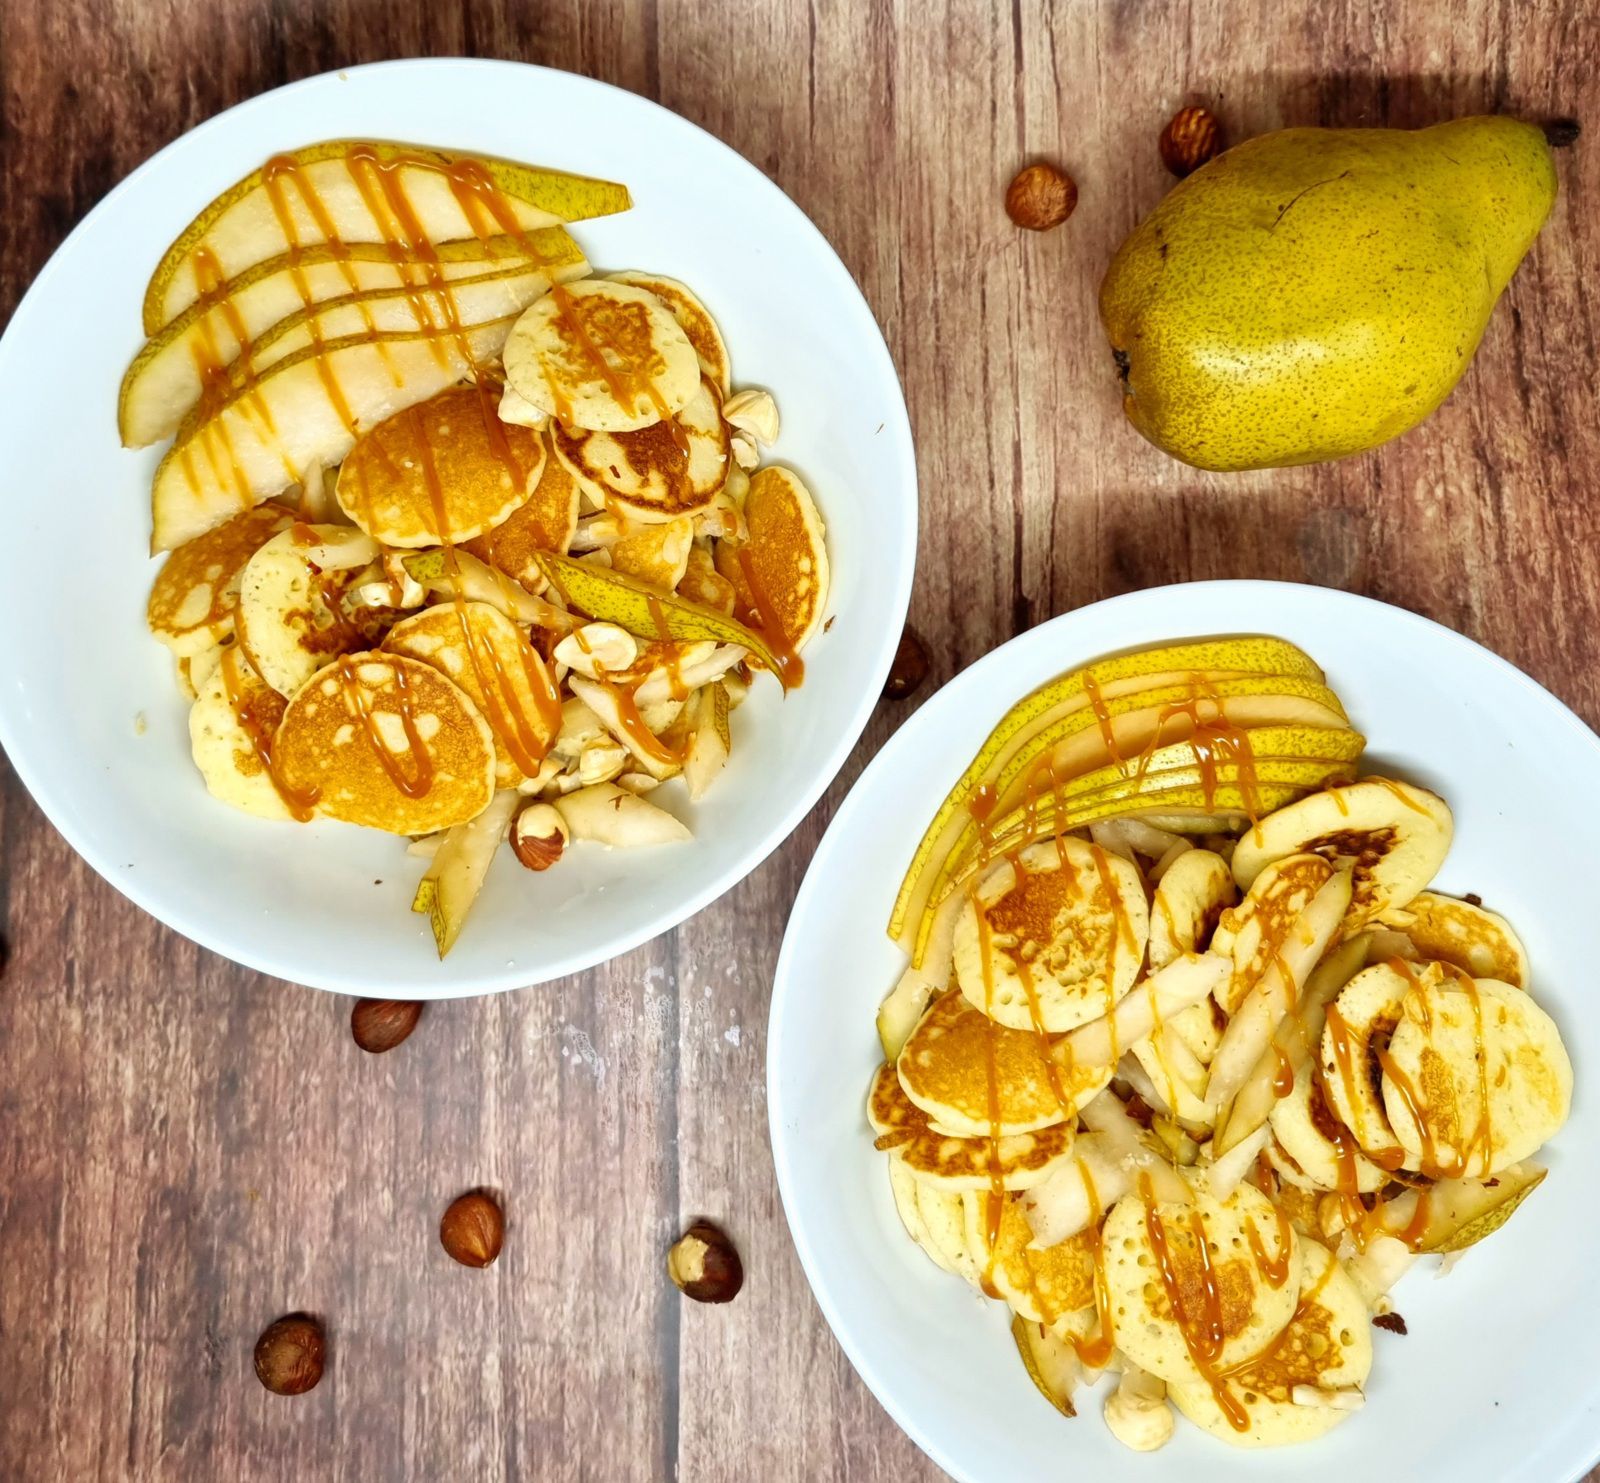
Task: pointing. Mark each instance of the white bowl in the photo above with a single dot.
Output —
(327, 904)
(1499, 1378)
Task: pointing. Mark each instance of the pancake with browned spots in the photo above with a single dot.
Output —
(781, 571)
(196, 591)
(545, 521)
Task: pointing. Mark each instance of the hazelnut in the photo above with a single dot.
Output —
(472, 1229)
(289, 1355)
(1562, 133)
(1041, 197)
(1393, 1322)
(381, 1024)
(539, 836)
(909, 670)
(704, 1265)
(753, 411)
(1191, 138)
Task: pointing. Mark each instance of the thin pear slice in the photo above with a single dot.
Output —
(1051, 1363)
(441, 312)
(350, 191)
(613, 597)
(260, 438)
(1125, 730)
(167, 376)
(457, 871)
(1251, 1029)
(1105, 679)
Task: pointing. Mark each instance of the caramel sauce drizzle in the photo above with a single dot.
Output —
(672, 660)
(638, 734)
(419, 781)
(1283, 1077)
(763, 618)
(1102, 716)
(1203, 1335)
(301, 802)
(1273, 1266)
(1095, 1352)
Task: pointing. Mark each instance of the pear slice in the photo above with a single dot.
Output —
(436, 313)
(611, 816)
(901, 1011)
(348, 192)
(614, 597)
(1079, 689)
(260, 438)
(1393, 835)
(710, 739)
(457, 871)
(167, 376)
(1051, 1363)
(1462, 1212)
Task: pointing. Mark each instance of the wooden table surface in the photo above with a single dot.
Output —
(188, 1150)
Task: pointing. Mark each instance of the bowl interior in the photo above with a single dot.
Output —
(1500, 1374)
(89, 712)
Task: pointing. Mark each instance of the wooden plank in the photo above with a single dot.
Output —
(187, 1150)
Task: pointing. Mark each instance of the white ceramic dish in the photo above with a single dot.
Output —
(1499, 1379)
(326, 904)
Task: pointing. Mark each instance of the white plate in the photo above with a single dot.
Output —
(328, 904)
(1499, 1378)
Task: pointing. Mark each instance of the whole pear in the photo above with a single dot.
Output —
(1315, 292)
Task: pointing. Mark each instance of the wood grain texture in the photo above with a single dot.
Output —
(188, 1150)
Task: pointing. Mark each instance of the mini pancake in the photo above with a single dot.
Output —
(1255, 932)
(1312, 1137)
(234, 707)
(1249, 1310)
(669, 468)
(1021, 1161)
(444, 470)
(786, 555)
(290, 617)
(944, 1069)
(1327, 1345)
(484, 652)
(1392, 836)
(695, 320)
(1189, 898)
(545, 521)
(903, 1185)
(195, 669)
(602, 355)
(657, 554)
(1359, 1024)
(1476, 1077)
(389, 743)
(1445, 930)
(192, 603)
(1044, 1285)
(1061, 936)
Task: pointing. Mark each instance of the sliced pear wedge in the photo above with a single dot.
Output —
(457, 871)
(1051, 1363)
(614, 597)
(261, 437)
(167, 376)
(609, 815)
(352, 191)
(710, 739)
(1104, 680)
(1392, 835)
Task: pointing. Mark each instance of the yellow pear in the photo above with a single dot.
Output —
(1315, 292)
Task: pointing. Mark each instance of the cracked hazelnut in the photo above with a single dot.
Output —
(539, 836)
(1041, 197)
(1192, 137)
(473, 1229)
(704, 1265)
(381, 1024)
(909, 670)
(753, 411)
(289, 1355)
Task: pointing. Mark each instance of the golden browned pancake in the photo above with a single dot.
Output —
(1018, 1162)
(485, 653)
(695, 320)
(704, 584)
(781, 572)
(657, 554)
(444, 470)
(599, 354)
(672, 467)
(389, 743)
(1445, 930)
(945, 1069)
(196, 591)
(544, 522)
